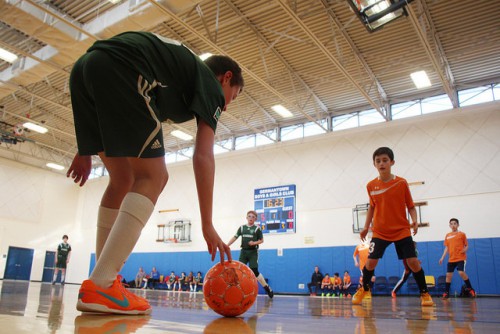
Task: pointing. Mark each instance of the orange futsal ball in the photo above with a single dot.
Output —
(230, 289)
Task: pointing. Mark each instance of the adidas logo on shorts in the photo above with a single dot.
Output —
(156, 144)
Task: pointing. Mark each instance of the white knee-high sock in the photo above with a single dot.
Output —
(63, 276)
(54, 277)
(261, 279)
(133, 216)
(106, 217)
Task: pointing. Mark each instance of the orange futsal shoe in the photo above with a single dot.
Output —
(359, 295)
(115, 299)
(426, 299)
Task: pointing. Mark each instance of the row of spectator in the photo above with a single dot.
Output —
(330, 285)
(154, 280)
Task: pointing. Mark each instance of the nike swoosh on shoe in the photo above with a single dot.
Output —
(123, 303)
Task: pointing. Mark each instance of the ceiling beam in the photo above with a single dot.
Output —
(331, 57)
(217, 48)
(357, 54)
(439, 60)
(270, 46)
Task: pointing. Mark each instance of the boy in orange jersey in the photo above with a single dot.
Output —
(361, 251)
(389, 198)
(326, 285)
(336, 285)
(346, 283)
(455, 243)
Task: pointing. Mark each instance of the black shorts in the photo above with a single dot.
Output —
(114, 109)
(61, 263)
(404, 248)
(460, 266)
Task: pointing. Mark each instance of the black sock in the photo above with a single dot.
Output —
(467, 282)
(367, 278)
(448, 285)
(420, 279)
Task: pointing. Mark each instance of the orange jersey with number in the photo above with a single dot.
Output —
(347, 279)
(456, 242)
(389, 201)
(362, 251)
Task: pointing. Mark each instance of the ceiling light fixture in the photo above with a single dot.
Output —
(420, 79)
(35, 127)
(376, 13)
(181, 135)
(7, 56)
(282, 111)
(54, 166)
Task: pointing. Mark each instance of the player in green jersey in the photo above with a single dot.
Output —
(122, 89)
(63, 255)
(251, 238)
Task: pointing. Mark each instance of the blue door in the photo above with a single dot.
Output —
(19, 262)
(48, 266)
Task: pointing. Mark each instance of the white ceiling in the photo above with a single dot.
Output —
(313, 56)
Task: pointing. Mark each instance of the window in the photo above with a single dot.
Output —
(223, 146)
(345, 122)
(406, 109)
(496, 92)
(401, 110)
(476, 95)
(311, 128)
(170, 157)
(264, 138)
(185, 154)
(244, 142)
(436, 103)
(292, 132)
(371, 116)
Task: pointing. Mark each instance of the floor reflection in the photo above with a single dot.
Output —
(43, 308)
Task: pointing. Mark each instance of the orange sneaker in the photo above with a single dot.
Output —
(426, 299)
(358, 296)
(115, 299)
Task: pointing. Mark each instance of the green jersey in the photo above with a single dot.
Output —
(63, 250)
(249, 233)
(184, 86)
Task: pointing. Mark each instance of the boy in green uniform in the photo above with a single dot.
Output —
(63, 255)
(251, 238)
(121, 91)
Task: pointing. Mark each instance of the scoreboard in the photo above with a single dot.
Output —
(275, 207)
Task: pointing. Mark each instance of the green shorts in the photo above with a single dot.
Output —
(250, 257)
(114, 109)
(61, 263)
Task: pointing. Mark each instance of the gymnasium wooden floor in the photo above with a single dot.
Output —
(43, 308)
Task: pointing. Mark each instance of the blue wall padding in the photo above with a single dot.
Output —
(296, 265)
